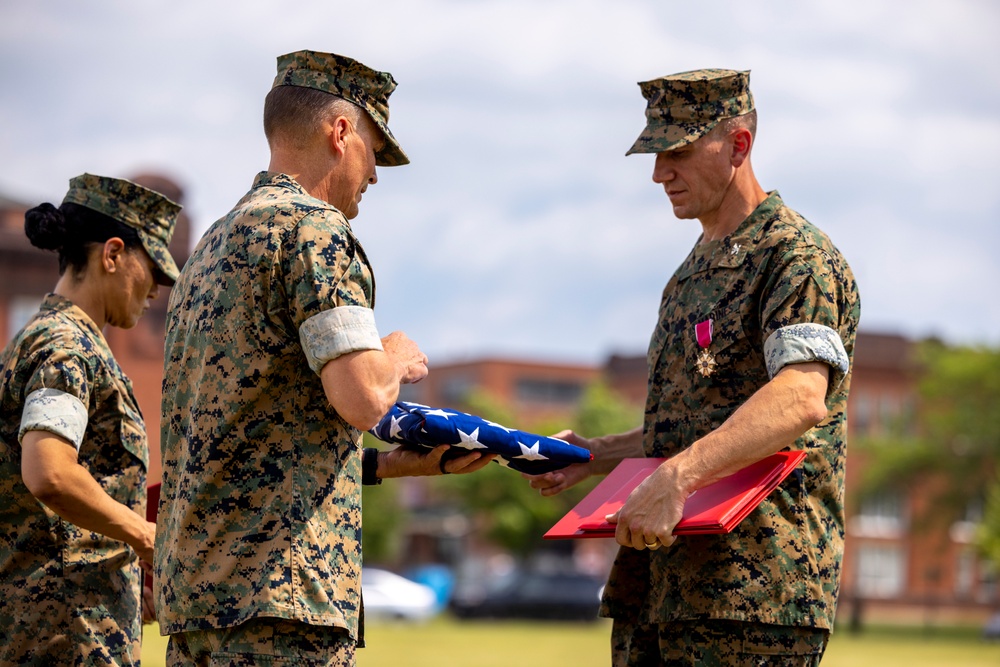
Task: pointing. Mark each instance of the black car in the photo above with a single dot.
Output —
(566, 596)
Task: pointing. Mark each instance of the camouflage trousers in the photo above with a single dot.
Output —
(263, 642)
(716, 643)
(56, 634)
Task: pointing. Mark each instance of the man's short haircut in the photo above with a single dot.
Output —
(295, 113)
(747, 121)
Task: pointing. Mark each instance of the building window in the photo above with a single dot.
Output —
(881, 571)
(456, 389)
(988, 591)
(963, 531)
(965, 574)
(889, 414)
(862, 414)
(880, 515)
(411, 393)
(22, 308)
(548, 391)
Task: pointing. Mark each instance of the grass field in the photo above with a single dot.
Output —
(445, 641)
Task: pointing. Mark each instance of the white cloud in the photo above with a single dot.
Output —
(877, 121)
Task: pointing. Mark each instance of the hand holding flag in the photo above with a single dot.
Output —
(422, 426)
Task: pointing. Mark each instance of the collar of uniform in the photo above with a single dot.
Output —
(72, 312)
(279, 180)
(734, 248)
(730, 251)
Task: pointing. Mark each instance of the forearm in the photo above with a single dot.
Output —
(80, 500)
(69, 490)
(609, 450)
(772, 419)
(362, 386)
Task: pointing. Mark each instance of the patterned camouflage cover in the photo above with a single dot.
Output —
(260, 508)
(151, 214)
(68, 594)
(680, 108)
(351, 80)
(782, 563)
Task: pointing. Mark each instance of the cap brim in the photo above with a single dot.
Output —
(166, 268)
(392, 154)
(664, 138)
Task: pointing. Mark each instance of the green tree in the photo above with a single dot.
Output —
(956, 436)
(382, 517)
(602, 411)
(514, 515)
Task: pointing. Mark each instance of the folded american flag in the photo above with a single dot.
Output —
(415, 424)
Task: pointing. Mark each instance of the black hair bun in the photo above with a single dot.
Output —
(45, 227)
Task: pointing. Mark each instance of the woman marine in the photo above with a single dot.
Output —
(73, 450)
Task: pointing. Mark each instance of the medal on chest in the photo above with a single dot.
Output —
(705, 363)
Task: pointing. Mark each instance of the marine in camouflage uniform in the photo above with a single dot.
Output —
(771, 293)
(72, 596)
(259, 524)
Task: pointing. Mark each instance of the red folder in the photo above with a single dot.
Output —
(152, 501)
(716, 508)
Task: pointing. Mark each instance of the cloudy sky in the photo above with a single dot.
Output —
(521, 229)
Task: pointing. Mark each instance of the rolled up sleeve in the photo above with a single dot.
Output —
(802, 343)
(338, 331)
(56, 412)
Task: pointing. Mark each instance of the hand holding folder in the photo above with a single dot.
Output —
(716, 508)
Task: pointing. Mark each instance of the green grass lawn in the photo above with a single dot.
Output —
(445, 641)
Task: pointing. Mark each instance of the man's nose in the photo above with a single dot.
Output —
(662, 172)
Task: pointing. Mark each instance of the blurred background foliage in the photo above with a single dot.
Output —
(950, 446)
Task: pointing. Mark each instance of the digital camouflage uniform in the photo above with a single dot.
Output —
(69, 596)
(72, 596)
(260, 509)
(778, 292)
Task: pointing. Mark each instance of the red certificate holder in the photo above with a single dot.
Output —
(716, 508)
(152, 501)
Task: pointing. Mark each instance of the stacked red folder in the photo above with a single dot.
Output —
(716, 508)
(152, 501)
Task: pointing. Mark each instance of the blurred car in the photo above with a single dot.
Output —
(568, 596)
(388, 595)
(991, 630)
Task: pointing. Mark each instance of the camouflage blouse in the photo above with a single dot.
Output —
(260, 509)
(777, 292)
(67, 591)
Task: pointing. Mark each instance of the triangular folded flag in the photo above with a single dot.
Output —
(415, 424)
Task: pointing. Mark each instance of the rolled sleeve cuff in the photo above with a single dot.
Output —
(802, 343)
(56, 412)
(336, 332)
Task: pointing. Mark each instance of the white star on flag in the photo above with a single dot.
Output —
(470, 440)
(530, 453)
(438, 413)
(394, 427)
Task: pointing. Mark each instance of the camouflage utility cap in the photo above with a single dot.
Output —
(682, 107)
(151, 214)
(350, 80)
